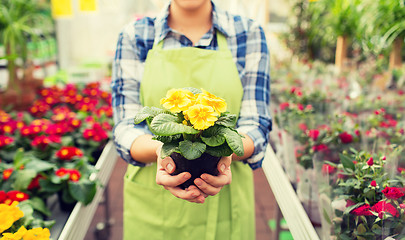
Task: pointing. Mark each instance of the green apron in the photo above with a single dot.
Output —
(153, 213)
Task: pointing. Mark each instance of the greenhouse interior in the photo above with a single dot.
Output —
(333, 163)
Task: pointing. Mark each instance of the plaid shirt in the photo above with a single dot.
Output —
(247, 43)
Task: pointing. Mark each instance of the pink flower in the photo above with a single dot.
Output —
(346, 137)
(300, 107)
(284, 105)
(370, 161)
(373, 183)
(392, 192)
(382, 207)
(303, 127)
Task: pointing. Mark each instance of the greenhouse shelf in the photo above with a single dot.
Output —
(296, 217)
(74, 225)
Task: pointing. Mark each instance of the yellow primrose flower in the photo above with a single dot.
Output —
(209, 99)
(15, 236)
(177, 100)
(37, 234)
(8, 215)
(202, 117)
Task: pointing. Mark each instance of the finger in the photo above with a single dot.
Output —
(168, 164)
(224, 164)
(218, 181)
(189, 195)
(206, 188)
(165, 179)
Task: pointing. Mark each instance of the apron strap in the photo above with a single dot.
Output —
(221, 40)
(212, 218)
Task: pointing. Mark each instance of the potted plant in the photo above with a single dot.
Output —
(195, 129)
(20, 21)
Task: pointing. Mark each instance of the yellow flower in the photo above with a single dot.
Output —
(8, 215)
(202, 117)
(209, 99)
(177, 100)
(37, 234)
(15, 236)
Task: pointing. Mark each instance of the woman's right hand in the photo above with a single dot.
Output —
(165, 167)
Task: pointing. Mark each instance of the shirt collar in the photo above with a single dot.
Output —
(219, 22)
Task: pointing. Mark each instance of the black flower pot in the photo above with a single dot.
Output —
(204, 164)
(65, 206)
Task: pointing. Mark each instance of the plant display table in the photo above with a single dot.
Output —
(297, 219)
(75, 225)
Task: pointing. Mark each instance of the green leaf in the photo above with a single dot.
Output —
(213, 136)
(347, 162)
(191, 150)
(39, 165)
(228, 120)
(326, 216)
(50, 187)
(167, 139)
(83, 191)
(147, 112)
(234, 141)
(39, 205)
(361, 229)
(169, 148)
(220, 151)
(24, 178)
(28, 210)
(193, 90)
(167, 124)
(19, 158)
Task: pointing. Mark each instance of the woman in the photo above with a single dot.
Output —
(191, 43)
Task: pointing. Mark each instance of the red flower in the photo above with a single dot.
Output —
(346, 137)
(7, 173)
(314, 134)
(88, 133)
(363, 210)
(300, 107)
(392, 193)
(320, 148)
(370, 161)
(357, 132)
(5, 140)
(382, 207)
(3, 196)
(328, 169)
(18, 196)
(373, 183)
(67, 153)
(74, 123)
(74, 175)
(35, 182)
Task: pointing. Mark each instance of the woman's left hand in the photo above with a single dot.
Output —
(211, 185)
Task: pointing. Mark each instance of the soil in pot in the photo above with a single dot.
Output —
(204, 164)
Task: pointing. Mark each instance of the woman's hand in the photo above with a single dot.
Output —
(211, 185)
(165, 167)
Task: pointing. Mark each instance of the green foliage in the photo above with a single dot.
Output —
(20, 21)
(178, 134)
